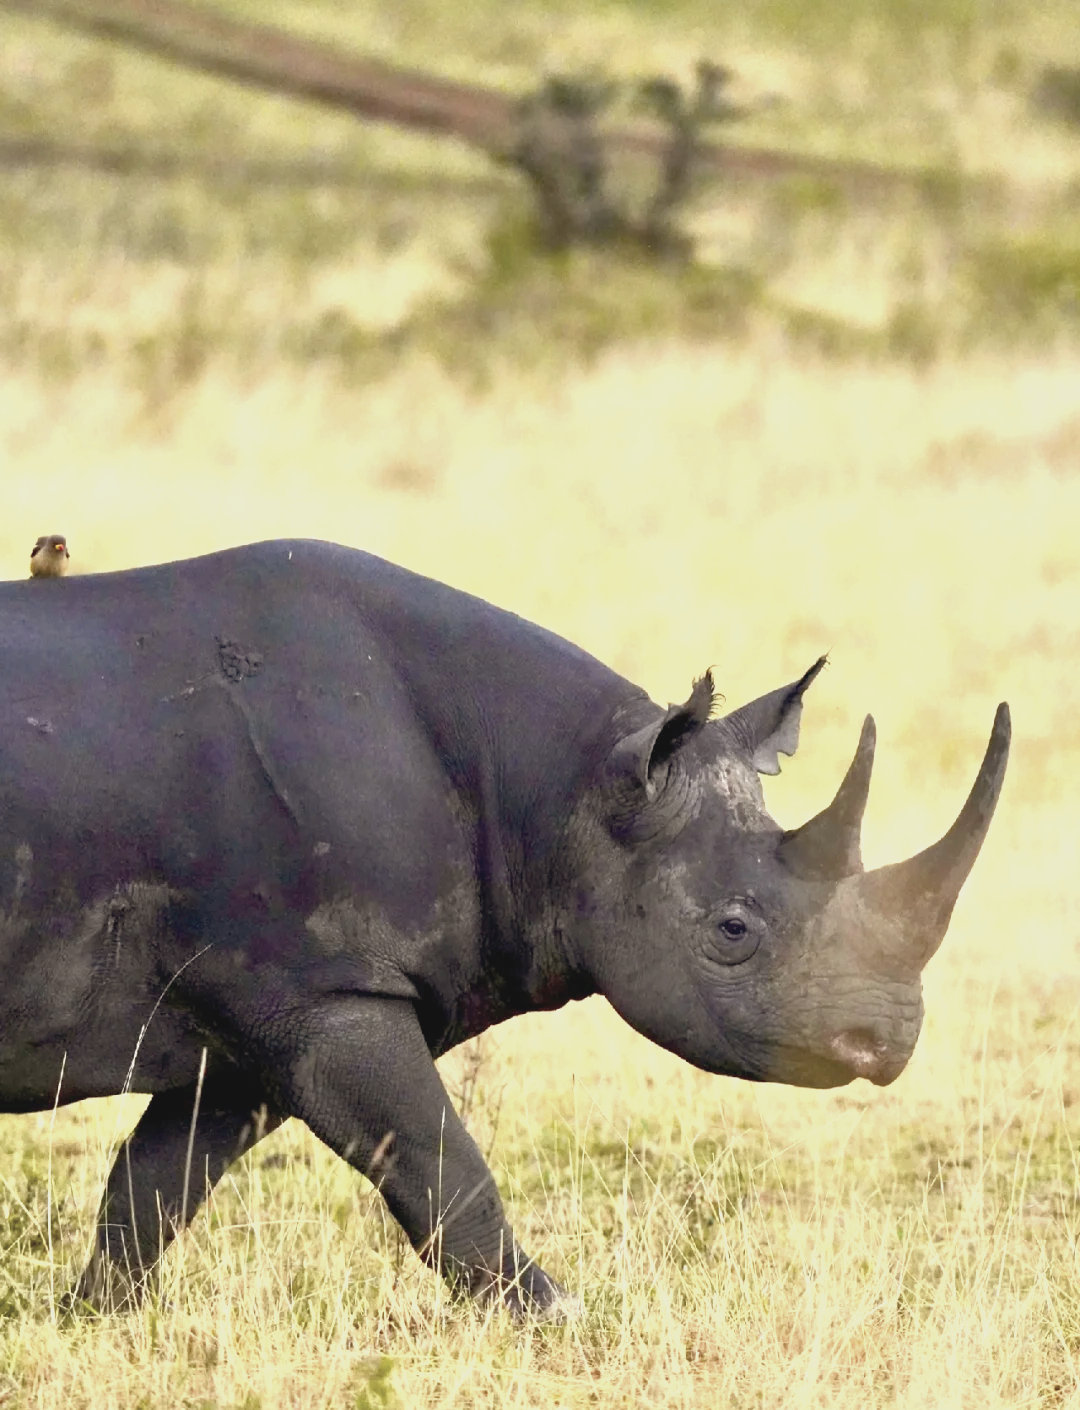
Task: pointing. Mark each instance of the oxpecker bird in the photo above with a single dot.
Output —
(49, 557)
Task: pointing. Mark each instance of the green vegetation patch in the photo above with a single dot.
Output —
(534, 309)
(1023, 288)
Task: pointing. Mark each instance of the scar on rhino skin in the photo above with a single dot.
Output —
(24, 861)
(269, 772)
(237, 662)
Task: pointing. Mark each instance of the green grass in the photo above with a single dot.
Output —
(238, 273)
(240, 283)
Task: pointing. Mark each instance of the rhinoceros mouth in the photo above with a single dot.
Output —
(865, 1055)
(854, 1053)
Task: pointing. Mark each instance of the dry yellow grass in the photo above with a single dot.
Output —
(734, 1245)
(740, 505)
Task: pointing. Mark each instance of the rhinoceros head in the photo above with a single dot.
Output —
(746, 949)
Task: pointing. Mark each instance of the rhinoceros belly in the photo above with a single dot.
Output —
(81, 1011)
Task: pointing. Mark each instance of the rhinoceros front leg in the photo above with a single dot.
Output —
(144, 1208)
(359, 1073)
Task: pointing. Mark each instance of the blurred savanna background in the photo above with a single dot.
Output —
(846, 419)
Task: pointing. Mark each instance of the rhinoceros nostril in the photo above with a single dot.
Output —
(860, 1050)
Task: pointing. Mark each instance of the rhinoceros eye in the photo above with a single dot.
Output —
(738, 932)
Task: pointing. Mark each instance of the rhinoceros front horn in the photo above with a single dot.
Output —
(921, 892)
(828, 846)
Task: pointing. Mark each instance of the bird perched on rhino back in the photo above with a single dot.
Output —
(49, 557)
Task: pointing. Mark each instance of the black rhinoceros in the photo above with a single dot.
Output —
(280, 825)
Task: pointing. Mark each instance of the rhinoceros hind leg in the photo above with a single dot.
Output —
(143, 1209)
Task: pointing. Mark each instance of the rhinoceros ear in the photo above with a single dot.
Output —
(648, 749)
(769, 726)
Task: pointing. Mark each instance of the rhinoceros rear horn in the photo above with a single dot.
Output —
(828, 846)
(922, 891)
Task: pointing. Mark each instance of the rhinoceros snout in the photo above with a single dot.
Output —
(868, 1053)
(864, 1055)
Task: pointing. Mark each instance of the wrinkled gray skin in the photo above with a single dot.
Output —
(313, 820)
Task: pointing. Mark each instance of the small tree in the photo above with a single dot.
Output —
(563, 154)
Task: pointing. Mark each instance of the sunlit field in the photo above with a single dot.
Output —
(743, 502)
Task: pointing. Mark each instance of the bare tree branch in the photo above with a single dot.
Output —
(283, 62)
(131, 159)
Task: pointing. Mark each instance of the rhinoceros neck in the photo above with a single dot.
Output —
(519, 717)
(521, 720)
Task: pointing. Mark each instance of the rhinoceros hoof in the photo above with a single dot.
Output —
(534, 1297)
(106, 1288)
